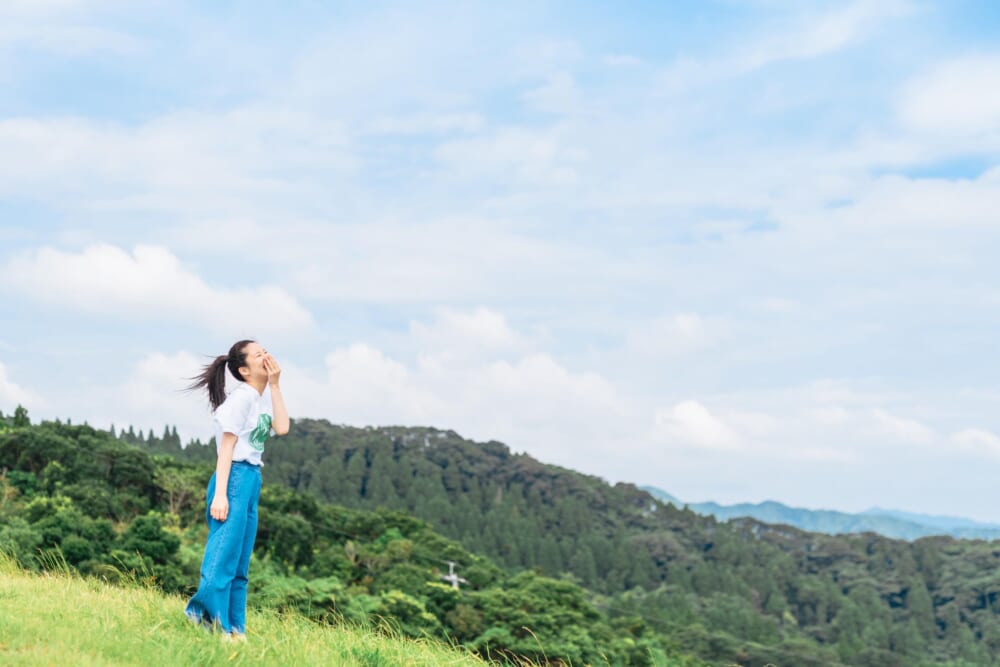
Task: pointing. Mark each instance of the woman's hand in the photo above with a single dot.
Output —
(273, 370)
(220, 508)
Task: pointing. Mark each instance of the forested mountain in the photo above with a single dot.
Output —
(902, 525)
(73, 496)
(860, 599)
(663, 581)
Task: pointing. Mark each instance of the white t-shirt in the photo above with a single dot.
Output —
(247, 414)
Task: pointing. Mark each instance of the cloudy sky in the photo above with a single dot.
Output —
(739, 250)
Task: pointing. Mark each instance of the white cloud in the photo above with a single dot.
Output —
(776, 304)
(453, 260)
(673, 335)
(70, 40)
(579, 419)
(827, 416)
(621, 60)
(531, 401)
(154, 396)
(977, 442)
(363, 364)
(150, 396)
(691, 423)
(13, 394)
(426, 123)
(927, 203)
(538, 388)
(540, 57)
(151, 282)
(44, 7)
(187, 161)
(363, 386)
(820, 421)
(825, 33)
(959, 96)
(65, 27)
(558, 95)
(478, 334)
(531, 158)
(157, 376)
(797, 38)
(902, 429)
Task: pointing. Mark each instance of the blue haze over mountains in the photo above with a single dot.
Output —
(891, 523)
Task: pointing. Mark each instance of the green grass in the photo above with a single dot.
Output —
(64, 619)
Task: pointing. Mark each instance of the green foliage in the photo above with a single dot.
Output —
(742, 591)
(20, 539)
(588, 573)
(540, 617)
(145, 535)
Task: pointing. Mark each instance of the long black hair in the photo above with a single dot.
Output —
(213, 376)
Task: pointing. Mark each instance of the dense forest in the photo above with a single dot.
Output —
(75, 497)
(358, 524)
(859, 599)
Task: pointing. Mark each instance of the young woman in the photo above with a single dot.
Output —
(243, 420)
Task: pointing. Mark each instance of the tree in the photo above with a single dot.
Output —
(182, 485)
(21, 417)
(146, 535)
(921, 607)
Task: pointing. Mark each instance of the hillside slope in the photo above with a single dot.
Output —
(809, 598)
(72, 497)
(61, 619)
(741, 591)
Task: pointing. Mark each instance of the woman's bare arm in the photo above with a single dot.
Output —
(220, 502)
(280, 423)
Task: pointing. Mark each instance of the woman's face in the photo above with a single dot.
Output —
(254, 361)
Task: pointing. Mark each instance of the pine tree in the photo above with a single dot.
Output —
(354, 478)
(380, 490)
(582, 565)
(549, 557)
(921, 607)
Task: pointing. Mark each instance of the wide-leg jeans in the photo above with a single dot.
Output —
(222, 593)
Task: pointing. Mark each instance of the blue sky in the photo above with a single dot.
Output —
(738, 250)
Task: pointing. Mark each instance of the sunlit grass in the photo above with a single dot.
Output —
(63, 619)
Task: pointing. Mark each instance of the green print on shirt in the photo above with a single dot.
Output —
(259, 434)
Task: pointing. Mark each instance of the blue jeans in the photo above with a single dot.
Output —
(222, 592)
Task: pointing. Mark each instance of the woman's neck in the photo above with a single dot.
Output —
(258, 384)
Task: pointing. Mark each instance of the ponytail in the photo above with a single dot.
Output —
(213, 376)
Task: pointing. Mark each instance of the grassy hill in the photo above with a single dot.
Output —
(561, 566)
(64, 619)
(742, 591)
(76, 499)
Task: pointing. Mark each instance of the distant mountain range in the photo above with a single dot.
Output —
(891, 523)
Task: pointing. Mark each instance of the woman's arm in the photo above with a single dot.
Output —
(220, 502)
(280, 423)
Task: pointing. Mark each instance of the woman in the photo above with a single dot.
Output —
(243, 420)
